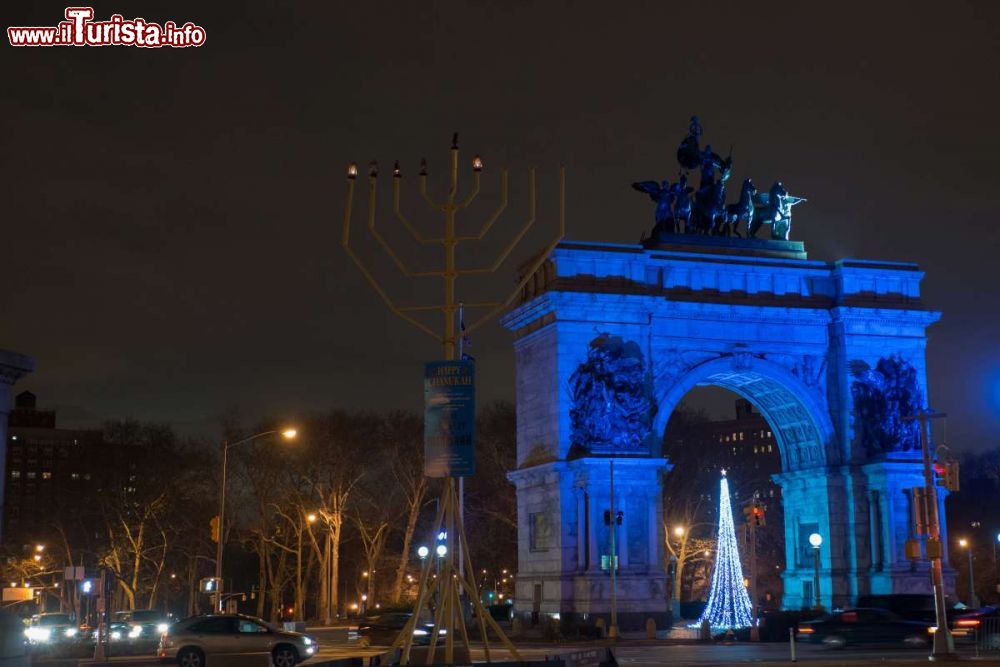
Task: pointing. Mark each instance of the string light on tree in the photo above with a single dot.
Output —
(728, 604)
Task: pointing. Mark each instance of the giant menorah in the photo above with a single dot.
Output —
(449, 241)
(452, 577)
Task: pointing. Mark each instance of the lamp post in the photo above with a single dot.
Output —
(816, 540)
(996, 573)
(973, 602)
(287, 434)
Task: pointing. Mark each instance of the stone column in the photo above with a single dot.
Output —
(13, 366)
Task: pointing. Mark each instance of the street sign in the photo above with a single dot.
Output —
(17, 594)
(449, 419)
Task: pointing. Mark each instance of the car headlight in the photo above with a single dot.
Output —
(70, 632)
(116, 635)
(162, 627)
(307, 641)
(39, 634)
(419, 633)
(135, 632)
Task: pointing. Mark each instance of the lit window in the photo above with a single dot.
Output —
(770, 448)
(755, 449)
(13, 437)
(46, 475)
(769, 434)
(15, 474)
(31, 475)
(734, 437)
(75, 475)
(87, 476)
(741, 436)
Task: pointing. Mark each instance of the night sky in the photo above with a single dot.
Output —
(171, 234)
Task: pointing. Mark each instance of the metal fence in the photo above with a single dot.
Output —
(987, 635)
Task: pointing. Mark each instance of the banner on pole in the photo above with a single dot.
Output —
(449, 418)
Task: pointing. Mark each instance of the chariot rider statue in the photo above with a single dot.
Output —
(688, 153)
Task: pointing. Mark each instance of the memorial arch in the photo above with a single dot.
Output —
(829, 353)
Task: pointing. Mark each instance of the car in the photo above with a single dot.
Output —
(980, 625)
(865, 626)
(193, 640)
(144, 624)
(384, 629)
(908, 606)
(51, 628)
(117, 631)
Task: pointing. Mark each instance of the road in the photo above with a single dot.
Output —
(334, 645)
(643, 653)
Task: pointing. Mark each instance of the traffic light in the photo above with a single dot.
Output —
(754, 514)
(210, 585)
(214, 524)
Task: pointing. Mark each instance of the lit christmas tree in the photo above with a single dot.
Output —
(728, 602)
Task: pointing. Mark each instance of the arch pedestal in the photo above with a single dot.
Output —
(793, 336)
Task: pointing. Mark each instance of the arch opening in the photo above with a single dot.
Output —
(801, 433)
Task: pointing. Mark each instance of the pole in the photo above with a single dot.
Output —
(996, 576)
(613, 564)
(217, 604)
(972, 581)
(944, 643)
(461, 480)
(819, 596)
(755, 628)
(330, 592)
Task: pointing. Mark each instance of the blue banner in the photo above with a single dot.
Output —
(449, 419)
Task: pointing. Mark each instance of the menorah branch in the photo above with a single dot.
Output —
(537, 264)
(427, 197)
(496, 214)
(520, 235)
(406, 223)
(473, 193)
(378, 237)
(346, 243)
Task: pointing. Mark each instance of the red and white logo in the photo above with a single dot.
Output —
(80, 29)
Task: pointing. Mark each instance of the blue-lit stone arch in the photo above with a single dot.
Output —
(800, 423)
(803, 340)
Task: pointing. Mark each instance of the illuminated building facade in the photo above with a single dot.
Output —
(609, 338)
(13, 366)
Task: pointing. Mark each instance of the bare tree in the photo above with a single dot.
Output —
(405, 438)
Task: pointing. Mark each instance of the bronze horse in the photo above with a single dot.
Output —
(741, 211)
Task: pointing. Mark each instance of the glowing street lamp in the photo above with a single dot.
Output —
(816, 540)
(442, 550)
(287, 434)
(423, 552)
(679, 531)
(973, 601)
